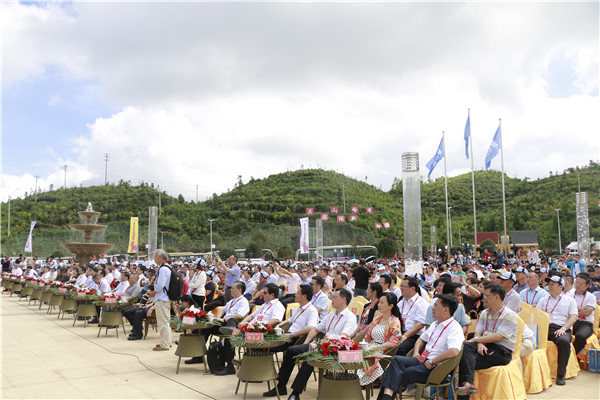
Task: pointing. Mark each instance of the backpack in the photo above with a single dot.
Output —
(215, 356)
(175, 289)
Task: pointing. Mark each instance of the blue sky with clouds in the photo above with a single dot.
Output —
(253, 89)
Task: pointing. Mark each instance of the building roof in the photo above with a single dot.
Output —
(493, 236)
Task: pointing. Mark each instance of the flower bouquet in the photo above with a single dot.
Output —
(109, 298)
(192, 317)
(326, 352)
(84, 294)
(258, 334)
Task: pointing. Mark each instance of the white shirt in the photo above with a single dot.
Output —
(512, 300)
(109, 278)
(116, 273)
(585, 300)
(302, 317)
(273, 278)
(81, 279)
(238, 305)
(197, 283)
(321, 301)
(338, 324)
(443, 336)
(46, 275)
(122, 287)
(103, 286)
(250, 286)
(413, 310)
(292, 283)
(17, 271)
(268, 311)
(559, 308)
(162, 283)
(532, 297)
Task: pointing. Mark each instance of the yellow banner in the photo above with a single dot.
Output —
(133, 236)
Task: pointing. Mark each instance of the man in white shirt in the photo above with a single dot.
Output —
(82, 278)
(413, 309)
(271, 312)
(122, 287)
(197, 284)
(563, 314)
(533, 293)
(99, 284)
(586, 306)
(162, 303)
(521, 277)
(249, 282)
(292, 279)
(533, 256)
(512, 299)
(569, 281)
(320, 299)
(339, 322)
(443, 340)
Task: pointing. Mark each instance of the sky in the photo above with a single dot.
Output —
(191, 95)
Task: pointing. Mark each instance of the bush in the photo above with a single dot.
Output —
(387, 247)
(253, 251)
(285, 251)
(225, 252)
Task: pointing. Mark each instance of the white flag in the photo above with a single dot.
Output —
(29, 244)
(304, 248)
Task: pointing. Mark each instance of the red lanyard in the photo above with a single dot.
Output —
(507, 296)
(262, 312)
(582, 300)
(330, 322)
(495, 322)
(411, 306)
(370, 308)
(301, 312)
(548, 303)
(233, 304)
(527, 295)
(440, 335)
(314, 300)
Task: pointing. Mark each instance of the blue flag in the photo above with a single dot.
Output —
(439, 154)
(467, 135)
(493, 150)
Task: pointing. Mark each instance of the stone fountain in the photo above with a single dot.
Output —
(84, 251)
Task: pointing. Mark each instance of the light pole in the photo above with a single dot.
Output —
(450, 218)
(211, 243)
(162, 237)
(558, 220)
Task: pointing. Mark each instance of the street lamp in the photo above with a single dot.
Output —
(211, 243)
(558, 220)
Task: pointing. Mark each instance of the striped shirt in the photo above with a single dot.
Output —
(503, 322)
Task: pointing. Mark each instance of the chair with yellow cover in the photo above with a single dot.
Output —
(536, 372)
(591, 342)
(330, 306)
(525, 306)
(597, 321)
(362, 300)
(290, 307)
(356, 308)
(503, 381)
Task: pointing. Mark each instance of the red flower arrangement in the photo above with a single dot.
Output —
(257, 327)
(195, 313)
(334, 344)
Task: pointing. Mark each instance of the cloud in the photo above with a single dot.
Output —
(204, 92)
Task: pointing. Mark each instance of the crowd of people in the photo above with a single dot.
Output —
(425, 314)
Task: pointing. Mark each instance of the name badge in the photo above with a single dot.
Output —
(423, 356)
(188, 321)
(259, 318)
(350, 356)
(254, 337)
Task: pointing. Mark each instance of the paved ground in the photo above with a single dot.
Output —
(46, 358)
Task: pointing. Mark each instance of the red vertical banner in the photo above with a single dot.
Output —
(386, 224)
(354, 210)
(370, 210)
(310, 211)
(325, 217)
(334, 210)
(354, 218)
(341, 218)
(378, 226)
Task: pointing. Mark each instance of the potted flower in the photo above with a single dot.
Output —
(336, 353)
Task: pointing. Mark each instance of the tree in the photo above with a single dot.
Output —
(488, 245)
(387, 247)
(285, 251)
(259, 238)
(253, 251)
(225, 252)
(185, 243)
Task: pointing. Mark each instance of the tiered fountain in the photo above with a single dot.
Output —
(84, 251)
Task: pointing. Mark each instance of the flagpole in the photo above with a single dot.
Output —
(446, 187)
(502, 163)
(473, 185)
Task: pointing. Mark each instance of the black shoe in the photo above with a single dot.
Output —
(195, 360)
(134, 337)
(560, 381)
(177, 342)
(93, 321)
(294, 396)
(229, 370)
(273, 393)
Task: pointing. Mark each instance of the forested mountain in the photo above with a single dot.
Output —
(273, 206)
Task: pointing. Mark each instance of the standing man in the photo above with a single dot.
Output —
(162, 304)
(586, 306)
(563, 314)
(361, 277)
(494, 340)
(232, 274)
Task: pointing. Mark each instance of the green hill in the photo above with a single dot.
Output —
(268, 210)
